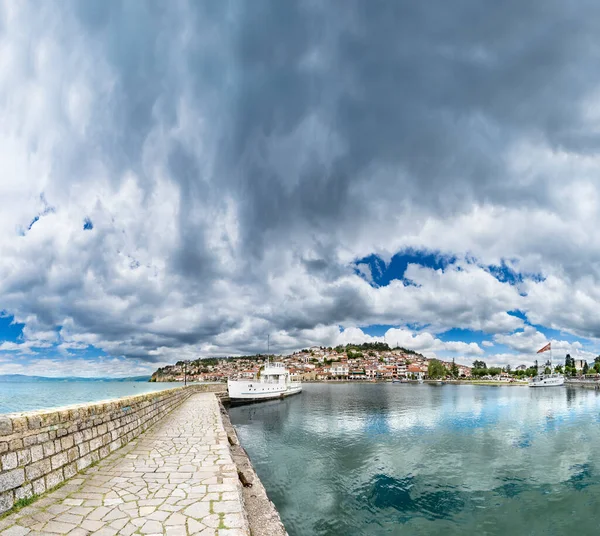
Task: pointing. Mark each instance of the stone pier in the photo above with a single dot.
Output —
(177, 478)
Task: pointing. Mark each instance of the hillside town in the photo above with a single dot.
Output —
(367, 362)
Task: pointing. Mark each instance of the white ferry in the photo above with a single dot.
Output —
(547, 380)
(274, 381)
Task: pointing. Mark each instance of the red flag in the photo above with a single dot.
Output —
(544, 349)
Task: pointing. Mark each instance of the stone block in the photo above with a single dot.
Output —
(11, 479)
(6, 426)
(15, 444)
(54, 479)
(9, 461)
(84, 448)
(24, 457)
(43, 437)
(30, 440)
(24, 492)
(38, 469)
(59, 460)
(83, 462)
(37, 453)
(49, 449)
(19, 424)
(6, 501)
(39, 486)
(70, 470)
(67, 442)
(3, 447)
(95, 443)
(34, 422)
(61, 432)
(49, 419)
(73, 454)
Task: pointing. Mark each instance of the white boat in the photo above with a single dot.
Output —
(547, 380)
(273, 382)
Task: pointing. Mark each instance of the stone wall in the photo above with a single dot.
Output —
(41, 449)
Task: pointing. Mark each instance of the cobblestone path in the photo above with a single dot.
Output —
(176, 479)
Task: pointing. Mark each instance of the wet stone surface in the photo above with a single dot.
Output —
(176, 479)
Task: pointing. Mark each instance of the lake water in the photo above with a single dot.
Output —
(26, 396)
(402, 459)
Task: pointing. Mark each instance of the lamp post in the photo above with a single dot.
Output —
(184, 373)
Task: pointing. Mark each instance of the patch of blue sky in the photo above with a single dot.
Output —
(506, 273)
(87, 224)
(519, 314)
(377, 330)
(9, 329)
(465, 335)
(382, 274)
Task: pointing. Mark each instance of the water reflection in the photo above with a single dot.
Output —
(366, 459)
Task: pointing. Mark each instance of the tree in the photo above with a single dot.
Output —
(585, 368)
(454, 369)
(547, 370)
(597, 368)
(507, 369)
(479, 365)
(568, 361)
(597, 360)
(531, 371)
(435, 369)
(558, 368)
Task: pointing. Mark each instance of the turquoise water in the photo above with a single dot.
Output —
(26, 396)
(417, 459)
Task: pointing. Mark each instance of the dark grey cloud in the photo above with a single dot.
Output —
(241, 155)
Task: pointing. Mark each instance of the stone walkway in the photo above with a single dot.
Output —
(176, 479)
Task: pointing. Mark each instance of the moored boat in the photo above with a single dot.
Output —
(547, 380)
(552, 379)
(274, 381)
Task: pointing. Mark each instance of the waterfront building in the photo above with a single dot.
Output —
(415, 371)
(339, 369)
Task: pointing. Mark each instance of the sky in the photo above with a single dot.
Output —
(183, 179)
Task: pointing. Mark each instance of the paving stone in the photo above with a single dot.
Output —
(152, 527)
(56, 527)
(15, 530)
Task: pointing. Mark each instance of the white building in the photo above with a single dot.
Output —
(339, 369)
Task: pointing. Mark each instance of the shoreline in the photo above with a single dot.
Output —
(262, 514)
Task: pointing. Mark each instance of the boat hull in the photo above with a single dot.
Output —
(548, 382)
(255, 391)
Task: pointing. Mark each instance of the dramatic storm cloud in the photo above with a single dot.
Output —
(183, 179)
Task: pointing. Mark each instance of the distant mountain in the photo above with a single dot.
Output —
(24, 378)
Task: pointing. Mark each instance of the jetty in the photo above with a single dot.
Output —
(157, 463)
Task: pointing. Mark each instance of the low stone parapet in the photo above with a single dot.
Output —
(41, 449)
